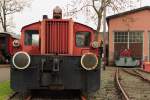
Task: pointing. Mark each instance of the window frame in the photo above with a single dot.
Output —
(133, 36)
(82, 32)
(25, 36)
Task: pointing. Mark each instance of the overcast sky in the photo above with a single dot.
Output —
(42, 7)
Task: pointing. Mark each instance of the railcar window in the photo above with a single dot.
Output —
(32, 37)
(83, 39)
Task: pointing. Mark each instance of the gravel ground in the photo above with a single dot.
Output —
(135, 87)
(108, 90)
(4, 74)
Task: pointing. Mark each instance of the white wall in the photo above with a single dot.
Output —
(1, 29)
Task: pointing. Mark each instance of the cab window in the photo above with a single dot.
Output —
(32, 37)
(83, 39)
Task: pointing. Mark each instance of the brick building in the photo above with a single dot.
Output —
(130, 30)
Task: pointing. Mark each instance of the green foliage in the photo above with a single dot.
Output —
(5, 90)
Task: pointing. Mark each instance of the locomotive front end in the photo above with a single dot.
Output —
(57, 55)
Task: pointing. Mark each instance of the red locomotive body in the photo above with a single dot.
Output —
(57, 36)
(56, 54)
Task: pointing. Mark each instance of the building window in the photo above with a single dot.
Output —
(83, 39)
(32, 37)
(132, 40)
(134, 37)
(121, 37)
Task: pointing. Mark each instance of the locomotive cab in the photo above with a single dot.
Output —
(57, 54)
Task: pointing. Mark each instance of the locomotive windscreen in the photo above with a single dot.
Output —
(57, 37)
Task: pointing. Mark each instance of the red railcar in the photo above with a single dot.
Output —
(56, 54)
(6, 47)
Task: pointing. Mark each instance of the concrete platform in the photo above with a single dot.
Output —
(4, 74)
(4, 65)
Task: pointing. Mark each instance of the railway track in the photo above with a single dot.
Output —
(135, 72)
(12, 95)
(120, 87)
(45, 96)
(135, 85)
(41, 98)
(143, 71)
(108, 88)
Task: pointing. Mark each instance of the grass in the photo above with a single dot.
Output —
(5, 90)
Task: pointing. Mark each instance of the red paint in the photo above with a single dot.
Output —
(80, 28)
(30, 48)
(57, 36)
(9, 42)
(146, 66)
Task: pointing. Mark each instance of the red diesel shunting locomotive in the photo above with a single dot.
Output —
(57, 54)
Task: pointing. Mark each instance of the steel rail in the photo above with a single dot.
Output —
(137, 75)
(12, 95)
(124, 94)
(28, 97)
(83, 97)
(142, 77)
(143, 71)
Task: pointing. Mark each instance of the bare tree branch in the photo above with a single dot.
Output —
(95, 8)
(8, 8)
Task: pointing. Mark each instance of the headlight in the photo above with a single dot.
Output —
(21, 60)
(16, 43)
(95, 44)
(89, 61)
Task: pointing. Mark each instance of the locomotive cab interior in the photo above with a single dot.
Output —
(83, 39)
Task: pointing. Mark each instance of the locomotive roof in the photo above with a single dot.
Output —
(64, 19)
(30, 25)
(84, 25)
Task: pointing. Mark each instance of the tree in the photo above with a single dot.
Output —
(9, 7)
(94, 9)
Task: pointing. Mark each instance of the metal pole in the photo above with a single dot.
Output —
(104, 36)
(140, 3)
(128, 39)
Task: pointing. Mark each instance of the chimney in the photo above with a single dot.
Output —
(57, 13)
(45, 17)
